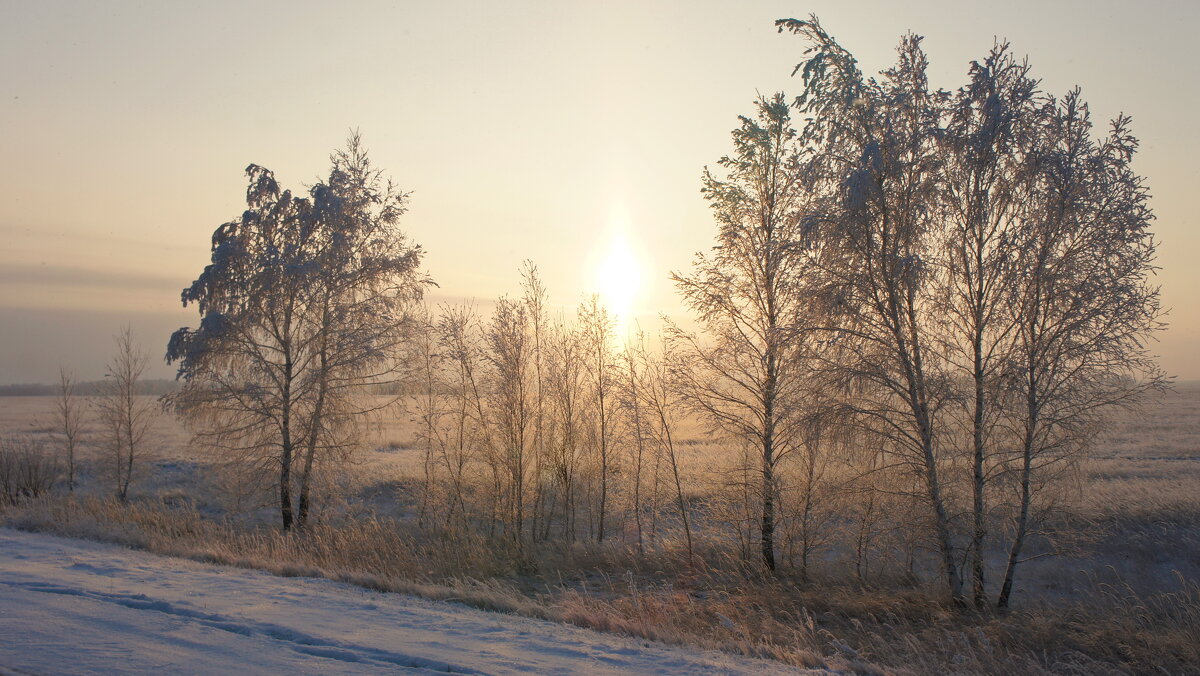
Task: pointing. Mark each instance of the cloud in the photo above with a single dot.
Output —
(44, 276)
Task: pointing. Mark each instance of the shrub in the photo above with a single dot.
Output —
(27, 470)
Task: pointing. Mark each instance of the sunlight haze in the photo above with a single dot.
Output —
(569, 134)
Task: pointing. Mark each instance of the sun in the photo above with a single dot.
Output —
(620, 279)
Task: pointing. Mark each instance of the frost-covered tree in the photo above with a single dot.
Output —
(600, 365)
(745, 373)
(1083, 303)
(534, 298)
(984, 266)
(451, 361)
(655, 399)
(876, 144)
(990, 142)
(510, 353)
(305, 302)
(566, 396)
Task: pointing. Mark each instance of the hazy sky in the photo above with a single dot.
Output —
(537, 130)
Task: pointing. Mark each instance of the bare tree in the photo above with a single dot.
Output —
(746, 372)
(69, 419)
(654, 391)
(425, 356)
(631, 405)
(566, 395)
(125, 416)
(810, 490)
(467, 430)
(596, 332)
(510, 355)
(534, 299)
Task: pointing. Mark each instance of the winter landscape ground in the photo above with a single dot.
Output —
(1124, 586)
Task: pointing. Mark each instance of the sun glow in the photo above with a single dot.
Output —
(619, 280)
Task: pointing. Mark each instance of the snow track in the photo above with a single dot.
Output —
(76, 607)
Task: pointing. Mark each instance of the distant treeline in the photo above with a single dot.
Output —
(154, 387)
(161, 386)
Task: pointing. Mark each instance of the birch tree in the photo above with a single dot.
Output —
(468, 431)
(746, 369)
(1085, 306)
(304, 302)
(990, 141)
(510, 354)
(534, 299)
(876, 148)
(596, 334)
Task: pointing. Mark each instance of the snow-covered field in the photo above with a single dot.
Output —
(76, 607)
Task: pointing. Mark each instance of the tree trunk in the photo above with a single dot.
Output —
(125, 470)
(1014, 553)
(767, 530)
(942, 525)
(285, 453)
(806, 534)
(285, 486)
(316, 424)
(979, 532)
(603, 469)
(641, 445)
(683, 515)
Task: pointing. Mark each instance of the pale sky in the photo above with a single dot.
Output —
(539, 130)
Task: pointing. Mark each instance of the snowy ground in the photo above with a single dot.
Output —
(75, 607)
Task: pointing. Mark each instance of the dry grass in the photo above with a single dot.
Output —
(658, 597)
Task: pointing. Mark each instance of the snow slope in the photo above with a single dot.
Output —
(76, 607)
